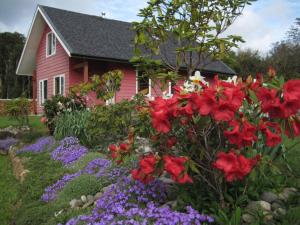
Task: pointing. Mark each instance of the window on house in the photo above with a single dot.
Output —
(143, 84)
(171, 86)
(43, 92)
(51, 44)
(59, 85)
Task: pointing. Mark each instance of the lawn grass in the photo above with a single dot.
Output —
(9, 191)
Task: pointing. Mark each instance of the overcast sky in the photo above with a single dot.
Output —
(261, 24)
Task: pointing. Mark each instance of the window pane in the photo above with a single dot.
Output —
(53, 43)
(41, 92)
(56, 87)
(143, 83)
(45, 89)
(62, 85)
(49, 44)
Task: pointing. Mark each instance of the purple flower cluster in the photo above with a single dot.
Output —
(41, 145)
(51, 191)
(131, 202)
(96, 167)
(69, 151)
(6, 143)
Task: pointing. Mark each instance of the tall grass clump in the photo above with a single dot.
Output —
(73, 124)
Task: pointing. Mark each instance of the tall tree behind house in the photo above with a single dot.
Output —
(12, 85)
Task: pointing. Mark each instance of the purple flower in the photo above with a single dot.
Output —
(6, 143)
(96, 167)
(41, 145)
(69, 151)
(131, 202)
(51, 191)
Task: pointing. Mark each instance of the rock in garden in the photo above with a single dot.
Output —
(276, 205)
(74, 203)
(90, 198)
(171, 204)
(98, 195)
(106, 188)
(87, 204)
(287, 193)
(279, 213)
(248, 218)
(257, 205)
(83, 198)
(269, 197)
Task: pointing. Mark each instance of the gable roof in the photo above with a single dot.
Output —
(95, 37)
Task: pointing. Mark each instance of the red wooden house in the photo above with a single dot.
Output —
(64, 48)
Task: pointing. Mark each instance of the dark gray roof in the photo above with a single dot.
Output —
(96, 37)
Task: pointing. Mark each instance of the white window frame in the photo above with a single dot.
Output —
(53, 45)
(54, 84)
(42, 91)
(137, 85)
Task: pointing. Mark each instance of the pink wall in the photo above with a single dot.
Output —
(49, 67)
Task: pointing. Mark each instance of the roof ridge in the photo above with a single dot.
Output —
(85, 14)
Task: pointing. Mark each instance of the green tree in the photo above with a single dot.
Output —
(12, 85)
(294, 32)
(192, 29)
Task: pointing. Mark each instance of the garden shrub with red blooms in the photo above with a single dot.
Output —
(217, 133)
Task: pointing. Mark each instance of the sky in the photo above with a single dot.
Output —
(263, 23)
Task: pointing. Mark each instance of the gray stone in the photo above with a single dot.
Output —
(87, 204)
(75, 203)
(279, 213)
(269, 197)
(90, 198)
(98, 195)
(166, 180)
(83, 198)
(171, 204)
(287, 193)
(248, 218)
(276, 205)
(257, 205)
(106, 188)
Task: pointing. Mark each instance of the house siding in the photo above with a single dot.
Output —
(49, 67)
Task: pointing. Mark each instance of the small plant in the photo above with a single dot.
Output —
(19, 110)
(73, 124)
(109, 123)
(59, 105)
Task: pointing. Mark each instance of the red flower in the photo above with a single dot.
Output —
(272, 138)
(293, 128)
(206, 101)
(124, 147)
(234, 167)
(235, 96)
(291, 90)
(266, 95)
(137, 174)
(242, 134)
(275, 109)
(171, 141)
(147, 164)
(224, 111)
(160, 121)
(175, 167)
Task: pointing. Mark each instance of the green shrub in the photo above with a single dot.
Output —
(72, 124)
(19, 110)
(82, 185)
(58, 105)
(110, 123)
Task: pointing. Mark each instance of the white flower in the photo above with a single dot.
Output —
(232, 79)
(188, 86)
(197, 78)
